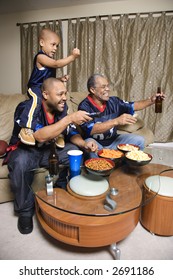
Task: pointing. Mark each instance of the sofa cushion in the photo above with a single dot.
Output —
(8, 105)
(3, 170)
(73, 100)
(147, 134)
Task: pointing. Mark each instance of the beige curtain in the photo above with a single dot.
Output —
(29, 35)
(135, 53)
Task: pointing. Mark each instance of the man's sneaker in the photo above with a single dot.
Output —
(26, 136)
(25, 224)
(60, 143)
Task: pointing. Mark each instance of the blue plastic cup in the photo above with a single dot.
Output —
(75, 160)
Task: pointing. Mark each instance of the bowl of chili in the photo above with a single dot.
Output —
(99, 166)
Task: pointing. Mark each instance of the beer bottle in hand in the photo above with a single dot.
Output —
(53, 160)
(158, 102)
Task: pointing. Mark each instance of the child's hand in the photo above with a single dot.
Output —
(64, 78)
(76, 52)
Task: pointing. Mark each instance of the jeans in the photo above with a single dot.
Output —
(21, 162)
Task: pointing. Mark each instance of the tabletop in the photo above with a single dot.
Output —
(129, 183)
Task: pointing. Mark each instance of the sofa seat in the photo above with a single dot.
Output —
(3, 170)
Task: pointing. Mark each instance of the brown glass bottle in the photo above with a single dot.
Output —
(53, 160)
(158, 102)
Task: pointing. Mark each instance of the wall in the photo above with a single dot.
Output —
(10, 76)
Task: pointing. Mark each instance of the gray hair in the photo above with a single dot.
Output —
(92, 81)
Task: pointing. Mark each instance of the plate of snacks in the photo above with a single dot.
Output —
(99, 166)
(138, 158)
(127, 147)
(114, 155)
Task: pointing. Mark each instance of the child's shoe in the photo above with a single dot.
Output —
(60, 143)
(26, 136)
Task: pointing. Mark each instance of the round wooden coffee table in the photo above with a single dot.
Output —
(86, 222)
